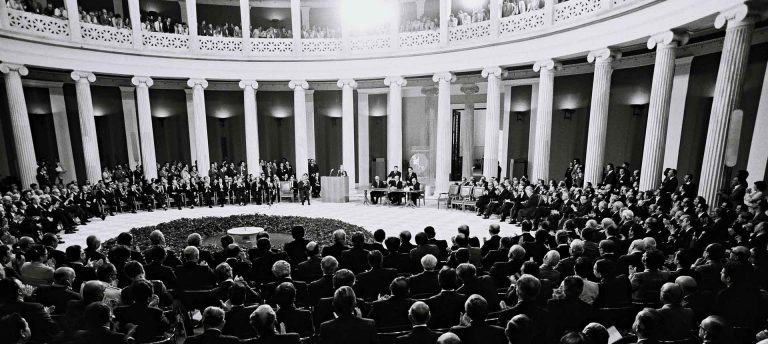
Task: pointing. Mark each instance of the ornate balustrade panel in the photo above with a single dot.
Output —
(369, 43)
(575, 9)
(272, 46)
(321, 46)
(528, 21)
(221, 45)
(469, 31)
(36, 24)
(419, 39)
(107, 35)
(621, 2)
(165, 41)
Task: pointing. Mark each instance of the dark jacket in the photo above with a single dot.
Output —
(275, 338)
(296, 321)
(212, 336)
(150, 321)
(424, 283)
(40, 323)
(238, 322)
(480, 333)
(372, 283)
(99, 335)
(308, 270)
(348, 330)
(391, 312)
(55, 295)
(451, 305)
(191, 276)
(418, 335)
(355, 259)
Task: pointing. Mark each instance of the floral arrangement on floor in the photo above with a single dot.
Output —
(176, 231)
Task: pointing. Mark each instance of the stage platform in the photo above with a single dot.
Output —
(393, 219)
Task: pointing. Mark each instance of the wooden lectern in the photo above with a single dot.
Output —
(334, 189)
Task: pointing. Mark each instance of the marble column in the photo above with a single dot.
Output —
(61, 124)
(75, 31)
(87, 125)
(299, 88)
(148, 156)
(532, 127)
(504, 142)
(134, 13)
(445, 12)
(677, 111)
(598, 116)
(430, 107)
(543, 139)
(309, 95)
(758, 151)
(4, 20)
(251, 124)
(395, 121)
(492, 113)
(22, 132)
(191, 6)
(202, 156)
(191, 126)
(128, 94)
(363, 139)
(444, 119)
(348, 129)
(245, 25)
(658, 108)
(468, 129)
(739, 24)
(296, 26)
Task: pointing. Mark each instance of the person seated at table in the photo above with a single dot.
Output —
(394, 196)
(377, 184)
(415, 186)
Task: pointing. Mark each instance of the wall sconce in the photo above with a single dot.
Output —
(519, 115)
(637, 109)
(567, 113)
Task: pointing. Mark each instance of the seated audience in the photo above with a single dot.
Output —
(419, 315)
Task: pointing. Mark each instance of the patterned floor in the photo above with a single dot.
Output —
(392, 219)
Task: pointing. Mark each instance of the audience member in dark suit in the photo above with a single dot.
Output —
(237, 318)
(405, 242)
(395, 259)
(264, 321)
(569, 313)
(356, 258)
(323, 287)
(195, 240)
(221, 256)
(297, 249)
(500, 254)
(448, 301)
(324, 309)
(633, 258)
(40, 323)
(263, 257)
(373, 283)
(473, 241)
(419, 315)
(347, 328)
(392, 311)
(475, 258)
(213, 323)
(423, 248)
(501, 271)
(93, 291)
(76, 261)
(527, 289)
(282, 272)
(493, 242)
(97, 321)
(476, 330)
(741, 302)
(191, 275)
(149, 320)
(677, 322)
(309, 270)
(155, 270)
(339, 239)
(565, 266)
(378, 242)
(60, 292)
(295, 320)
(442, 245)
(614, 290)
(426, 282)
(481, 285)
(14, 329)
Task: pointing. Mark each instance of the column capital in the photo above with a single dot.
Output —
(603, 55)
(197, 81)
(495, 71)
(142, 81)
(742, 14)
(293, 84)
(469, 89)
(79, 76)
(249, 83)
(395, 80)
(549, 64)
(674, 38)
(6, 68)
(444, 77)
(430, 91)
(346, 82)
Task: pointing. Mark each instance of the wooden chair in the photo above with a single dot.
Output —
(286, 190)
(448, 197)
(465, 195)
(476, 193)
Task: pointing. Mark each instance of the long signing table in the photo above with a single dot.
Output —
(386, 191)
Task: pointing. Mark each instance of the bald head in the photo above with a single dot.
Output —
(93, 291)
(714, 329)
(419, 313)
(448, 338)
(687, 283)
(263, 319)
(191, 254)
(64, 276)
(671, 293)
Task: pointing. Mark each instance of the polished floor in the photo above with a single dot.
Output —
(393, 219)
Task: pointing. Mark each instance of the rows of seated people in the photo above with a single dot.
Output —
(541, 286)
(50, 206)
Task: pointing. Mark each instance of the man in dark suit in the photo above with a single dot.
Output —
(473, 241)
(264, 321)
(481, 285)
(501, 254)
(191, 275)
(610, 177)
(309, 270)
(378, 242)
(97, 321)
(281, 270)
(396, 260)
(213, 323)
(40, 323)
(323, 287)
(527, 289)
(263, 257)
(394, 173)
(426, 282)
(60, 292)
(324, 310)
(501, 271)
(419, 315)
(396, 184)
(569, 313)
(83, 273)
(478, 331)
(448, 301)
(150, 322)
(339, 240)
(237, 318)
(206, 256)
(530, 208)
(222, 255)
(377, 184)
(669, 184)
(295, 320)
(356, 258)
(392, 311)
(372, 283)
(297, 249)
(405, 242)
(422, 248)
(677, 322)
(442, 245)
(347, 327)
(155, 270)
(493, 242)
(410, 175)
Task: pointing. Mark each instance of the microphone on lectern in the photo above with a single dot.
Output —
(330, 174)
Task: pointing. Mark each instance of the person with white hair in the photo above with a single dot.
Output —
(339, 245)
(548, 270)
(419, 315)
(425, 282)
(213, 323)
(634, 257)
(565, 267)
(281, 270)
(448, 338)
(191, 275)
(264, 322)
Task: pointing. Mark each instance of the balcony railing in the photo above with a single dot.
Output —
(495, 30)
